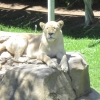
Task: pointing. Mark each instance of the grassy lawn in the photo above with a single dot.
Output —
(86, 40)
(83, 39)
(91, 54)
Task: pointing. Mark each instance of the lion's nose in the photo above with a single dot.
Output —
(50, 34)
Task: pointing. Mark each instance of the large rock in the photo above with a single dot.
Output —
(33, 82)
(38, 82)
(6, 35)
(78, 71)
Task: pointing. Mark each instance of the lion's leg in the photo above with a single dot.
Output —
(18, 53)
(43, 57)
(2, 47)
(63, 63)
(18, 58)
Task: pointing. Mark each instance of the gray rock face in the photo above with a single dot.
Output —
(4, 36)
(38, 82)
(33, 82)
(78, 69)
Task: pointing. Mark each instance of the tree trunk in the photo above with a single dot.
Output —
(89, 16)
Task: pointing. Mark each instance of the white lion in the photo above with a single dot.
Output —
(40, 46)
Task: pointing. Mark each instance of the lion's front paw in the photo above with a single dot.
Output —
(64, 68)
(52, 64)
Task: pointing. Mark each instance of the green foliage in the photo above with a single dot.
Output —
(91, 55)
(15, 29)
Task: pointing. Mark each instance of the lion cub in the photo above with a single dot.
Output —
(40, 46)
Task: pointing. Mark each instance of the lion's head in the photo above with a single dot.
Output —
(51, 29)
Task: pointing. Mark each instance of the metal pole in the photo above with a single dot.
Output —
(51, 7)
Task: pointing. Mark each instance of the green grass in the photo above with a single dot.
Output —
(91, 54)
(81, 39)
(15, 29)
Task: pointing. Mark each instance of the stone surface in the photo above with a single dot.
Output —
(78, 69)
(4, 36)
(25, 81)
(33, 82)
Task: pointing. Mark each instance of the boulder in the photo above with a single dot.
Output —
(33, 82)
(6, 35)
(39, 82)
(78, 71)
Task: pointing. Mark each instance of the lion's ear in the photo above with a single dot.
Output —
(60, 23)
(42, 25)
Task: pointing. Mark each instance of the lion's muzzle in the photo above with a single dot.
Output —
(51, 36)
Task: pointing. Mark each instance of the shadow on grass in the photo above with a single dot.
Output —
(73, 27)
(83, 32)
(93, 95)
